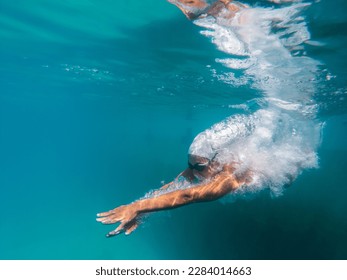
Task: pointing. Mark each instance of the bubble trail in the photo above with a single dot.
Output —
(266, 49)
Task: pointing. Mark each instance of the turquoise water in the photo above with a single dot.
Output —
(99, 102)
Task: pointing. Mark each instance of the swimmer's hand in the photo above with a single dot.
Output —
(127, 215)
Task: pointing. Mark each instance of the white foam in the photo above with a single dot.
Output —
(280, 140)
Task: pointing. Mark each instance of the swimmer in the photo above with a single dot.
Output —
(208, 178)
(214, 181)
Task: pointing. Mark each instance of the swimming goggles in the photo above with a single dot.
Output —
(200, 166)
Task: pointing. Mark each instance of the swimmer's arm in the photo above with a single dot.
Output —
(128, 215)
(218, 187)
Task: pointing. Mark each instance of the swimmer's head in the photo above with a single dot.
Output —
(193, 8)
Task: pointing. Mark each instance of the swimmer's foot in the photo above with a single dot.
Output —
(127, 216)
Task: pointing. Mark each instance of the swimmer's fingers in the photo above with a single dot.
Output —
(126, 227)
(105, 214)
(117, 231)
(112, 213)
(127, 215)
(113, 218)
(109, 220)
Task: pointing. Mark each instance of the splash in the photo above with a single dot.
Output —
(266, 51)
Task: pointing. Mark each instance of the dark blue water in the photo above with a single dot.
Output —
(99, 102)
